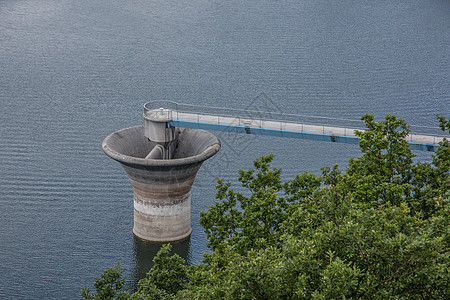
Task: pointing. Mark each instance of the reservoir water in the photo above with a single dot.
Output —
(72, 72)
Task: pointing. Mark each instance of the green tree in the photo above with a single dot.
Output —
(383, 174)
(363, 233)
(247, 221)
(108, 285)
(433, 181)
(167, 276)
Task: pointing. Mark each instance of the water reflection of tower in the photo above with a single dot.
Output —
(144, 252)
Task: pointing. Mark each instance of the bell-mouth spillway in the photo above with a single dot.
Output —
(130, 146)
(162, 187)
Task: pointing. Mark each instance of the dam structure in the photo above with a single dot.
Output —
(162, 157)
(276, 124)
(161, 162)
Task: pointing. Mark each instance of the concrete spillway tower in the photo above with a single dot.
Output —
(161, 163)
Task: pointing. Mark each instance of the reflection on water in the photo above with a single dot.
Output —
(144, 252)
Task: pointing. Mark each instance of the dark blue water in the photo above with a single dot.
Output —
(72, 72)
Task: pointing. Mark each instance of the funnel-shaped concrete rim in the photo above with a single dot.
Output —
(126, 159)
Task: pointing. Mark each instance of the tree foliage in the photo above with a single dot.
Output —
(108, 285)
(165, 278)
(378, 230)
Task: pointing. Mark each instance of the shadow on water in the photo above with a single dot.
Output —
(145, 251)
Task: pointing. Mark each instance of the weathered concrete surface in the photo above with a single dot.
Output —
(162, 197)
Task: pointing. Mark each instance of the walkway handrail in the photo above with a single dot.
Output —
(278, 117)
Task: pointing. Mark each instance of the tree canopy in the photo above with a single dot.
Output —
(378, 230)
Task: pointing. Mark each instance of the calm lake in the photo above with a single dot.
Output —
(72, 72)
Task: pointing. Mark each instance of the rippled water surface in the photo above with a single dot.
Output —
(72, 72)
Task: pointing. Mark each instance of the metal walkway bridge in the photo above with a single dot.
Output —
(284, 125)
